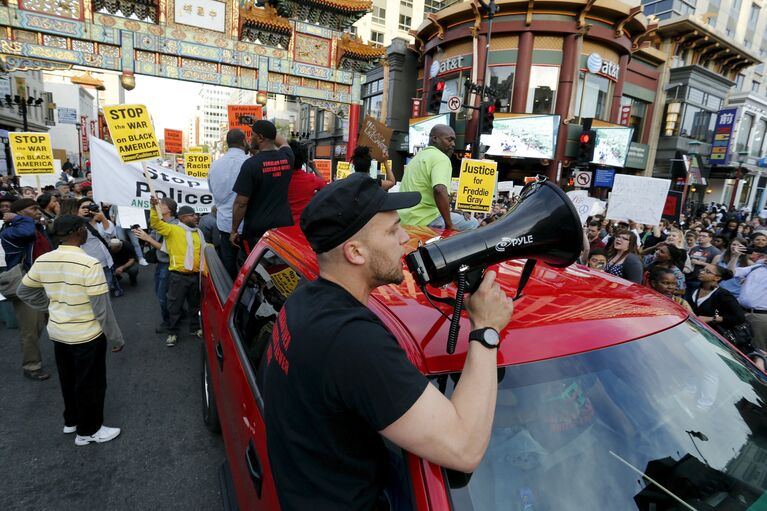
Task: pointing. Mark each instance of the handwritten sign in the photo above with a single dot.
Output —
(197, 164)
(476, 185)
(132, 132)
(376, 136)
(637, 198)
(325, 168)
(243, 117)
(174, 141)
(585, 206)
(343, 169)
(31, 153)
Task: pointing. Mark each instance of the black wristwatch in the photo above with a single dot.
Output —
(488, 337)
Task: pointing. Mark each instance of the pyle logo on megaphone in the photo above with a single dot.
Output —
(505, 243)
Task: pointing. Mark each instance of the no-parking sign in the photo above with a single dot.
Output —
(583, 179)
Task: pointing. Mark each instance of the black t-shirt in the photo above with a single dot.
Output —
(264, 179)
(125, 253)
(335, 376)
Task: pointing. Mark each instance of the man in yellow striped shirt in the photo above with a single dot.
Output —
(71, 286)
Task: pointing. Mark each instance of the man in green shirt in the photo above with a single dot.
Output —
(429, 173)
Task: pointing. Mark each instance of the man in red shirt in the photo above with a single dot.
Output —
(303, 184)
(592, 234)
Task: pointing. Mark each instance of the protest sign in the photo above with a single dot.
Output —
(286, 281)
(195, 149)
(376, 136)
(174, 141)
(476, 185)
(454, 185)
(505, 186)
(324, 167)
(126, 185)
(130, 216)
(584, 205)
(42, 180)
(637, 198)
(31, 153)
(197, 164)
(343, 169)
(132, 132)
(243, 117)
(672, 209)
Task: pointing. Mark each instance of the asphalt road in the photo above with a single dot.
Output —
(164, 457)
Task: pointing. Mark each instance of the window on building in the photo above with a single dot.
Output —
(697, 123)
(404, 22)
(376, 38)
(637, 116)
(744, 132)
(372, 105)
(758, 144)
(431, 6)
(755, 86)
(739, 81)
(406, 3)
(353, 30)
(542, 89)
(502, 80)
(754, 16)
(593, 97)
(379, 15)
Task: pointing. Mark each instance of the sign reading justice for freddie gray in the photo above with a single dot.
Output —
(132, 132)
(476, 185)
(32, 153)
(197, 164)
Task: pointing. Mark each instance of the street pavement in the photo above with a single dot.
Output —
(163, 459)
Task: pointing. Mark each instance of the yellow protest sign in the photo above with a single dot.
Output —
(32, 153)
(285, 281)
(195, 149)
(197, 164)
(476, 185)
(132, 132)
(343, 169)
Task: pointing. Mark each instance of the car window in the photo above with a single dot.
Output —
(264, 292)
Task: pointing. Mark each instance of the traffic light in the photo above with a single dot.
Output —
(486, 117)
(434, 101)
(586, 146)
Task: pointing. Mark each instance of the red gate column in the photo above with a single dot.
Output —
(615, 108)
(564, 93)
(522, 73)
(354, 128)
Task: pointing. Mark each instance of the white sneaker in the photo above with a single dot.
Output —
(69, 429)
(143, 262)
(171, 340)
(104, 434)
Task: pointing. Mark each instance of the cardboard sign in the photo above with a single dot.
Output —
(31, 153)
(343, 169)
(243, 117)
(197, 164)
(132, 132)
(376, 136)
(325, 168)
(476, 185)
(637, 198)
(174, 141)
(585, 206)
(505, 186)
(286, 281)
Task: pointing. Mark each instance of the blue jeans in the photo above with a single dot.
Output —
(161, 289)
(459, 222)
(110, 277)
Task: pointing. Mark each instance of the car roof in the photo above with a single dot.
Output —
(563, 311)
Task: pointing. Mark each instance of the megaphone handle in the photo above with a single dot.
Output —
(455, 321)
(524, 277)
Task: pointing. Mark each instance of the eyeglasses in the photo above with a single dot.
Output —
(624, 238)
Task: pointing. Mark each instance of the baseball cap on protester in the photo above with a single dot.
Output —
(20, 204)
(185, 210)
(264, 128)
(341, 209)
(67, 224)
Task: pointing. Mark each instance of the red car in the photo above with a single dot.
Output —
(610, 397)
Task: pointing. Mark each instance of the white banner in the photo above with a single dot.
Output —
(638, 198)
(124, 185)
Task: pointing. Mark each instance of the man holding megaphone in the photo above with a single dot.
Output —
(336, 379)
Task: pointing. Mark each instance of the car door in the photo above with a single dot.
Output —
(265, 289)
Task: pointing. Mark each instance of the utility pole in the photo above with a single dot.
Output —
(490, 9)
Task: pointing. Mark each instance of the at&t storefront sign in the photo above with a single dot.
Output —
(451, 64)
(597, 65)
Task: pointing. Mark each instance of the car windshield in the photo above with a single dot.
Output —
(676, 420)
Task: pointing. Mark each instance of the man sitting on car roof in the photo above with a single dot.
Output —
(337, 380)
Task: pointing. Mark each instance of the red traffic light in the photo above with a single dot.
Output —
(439, 86)
(585, 138)
(491, 109)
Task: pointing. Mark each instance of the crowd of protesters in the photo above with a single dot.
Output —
(714, 264)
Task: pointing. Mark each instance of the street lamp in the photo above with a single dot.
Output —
(79, 126)
(742, 156)
(23, 105)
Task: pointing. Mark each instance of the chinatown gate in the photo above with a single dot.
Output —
(286, 47)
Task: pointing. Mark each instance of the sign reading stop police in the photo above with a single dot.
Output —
(197, 164)
(31, 153)
(582, 179)
(132, 132)
(476, 185)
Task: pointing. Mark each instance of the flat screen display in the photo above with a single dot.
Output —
(612, 146)
(530, 136)
(418, 134)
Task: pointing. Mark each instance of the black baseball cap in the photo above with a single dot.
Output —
(67, 224)
(265, 128)
(185, 210)
(341, 209)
